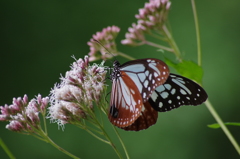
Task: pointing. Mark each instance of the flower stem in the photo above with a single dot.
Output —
(223, 126)
(125, 56)
(120, 139)
(5, 148)
(48, 140)
(207, 103)
(157, 35)
(104, 133)
(109, 139)
(97, 137)
(158, 46)
(197, 33)
(45, 125)
(172, 42)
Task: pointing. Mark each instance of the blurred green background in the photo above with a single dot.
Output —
(38, 39)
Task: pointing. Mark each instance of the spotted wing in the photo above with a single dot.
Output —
(147, 118)
(147, 75)
(177, 91)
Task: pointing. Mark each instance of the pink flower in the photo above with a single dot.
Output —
(150, 18)
(23, 115)
(106, 38)
(73, 98)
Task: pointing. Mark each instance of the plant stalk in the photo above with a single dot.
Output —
(207, 103)
(223, 126)
(197, 33)
(5, 148)
(172, 42)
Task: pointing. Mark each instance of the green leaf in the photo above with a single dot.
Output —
(187, 69)
(215, 126)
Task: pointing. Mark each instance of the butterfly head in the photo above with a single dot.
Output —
(116, 64)
(116, 70)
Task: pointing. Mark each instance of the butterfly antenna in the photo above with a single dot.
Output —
(105, 48)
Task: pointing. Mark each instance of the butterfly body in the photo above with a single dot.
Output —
(142, 88)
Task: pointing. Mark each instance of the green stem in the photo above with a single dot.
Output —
(171, 42)
(157, 35)
(105, 134)
(109, 139)
(5, 148)
(45, 125)
(158, 46)
(36, 135)
(207, 103)
(223, 126)
(197, 33)
(95, 122)
(125, 56)
(58, 147)
(97, 137)
(120, 139)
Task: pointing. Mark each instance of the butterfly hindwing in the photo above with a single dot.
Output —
(147, 118)
(177, 91)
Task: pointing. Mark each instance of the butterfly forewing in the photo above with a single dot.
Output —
(147, 74)
(177, 91)
(133, 84)
(126, 102)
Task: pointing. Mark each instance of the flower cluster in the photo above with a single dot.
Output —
(73, 98)
(106, 38)
(151, 17)
(23, 115)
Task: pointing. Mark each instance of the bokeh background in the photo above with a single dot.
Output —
(38, 39)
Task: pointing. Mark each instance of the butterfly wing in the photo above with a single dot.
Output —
(177, 91)
(147, 118)
(133, 84)
(126, 102)
(147, 74)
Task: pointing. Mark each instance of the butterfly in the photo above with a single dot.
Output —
(142, 88)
